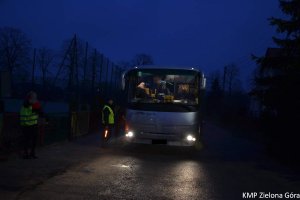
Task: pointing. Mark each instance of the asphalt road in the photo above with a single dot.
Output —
(225, 168)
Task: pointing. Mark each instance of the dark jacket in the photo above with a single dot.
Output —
(141, 93)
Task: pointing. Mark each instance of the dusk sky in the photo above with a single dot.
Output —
(204, 33)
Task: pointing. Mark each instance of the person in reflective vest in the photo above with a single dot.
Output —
(29, 115)
(108, 116)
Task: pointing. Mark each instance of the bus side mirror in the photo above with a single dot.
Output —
(203, 84)
(123, 81)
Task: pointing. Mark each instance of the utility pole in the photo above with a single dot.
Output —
(85, 62)
(224, 78)
(116, 76)
(94, 72)
(100, 73)
(33, 68)
(72, 105)
(230, 81)
(120, 76)
(111, 77)
(76, 70)
(71, 72)
(106, 78)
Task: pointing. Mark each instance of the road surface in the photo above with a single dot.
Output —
(226, 168)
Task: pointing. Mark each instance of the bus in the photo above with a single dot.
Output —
(163, 105)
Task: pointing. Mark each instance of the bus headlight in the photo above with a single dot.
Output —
(129, 134)
(190, 138)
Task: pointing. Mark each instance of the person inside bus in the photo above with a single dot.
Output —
(160, 86)
(184, 93)
(141, 91)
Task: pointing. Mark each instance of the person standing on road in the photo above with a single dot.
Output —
(29, 115)
(108, 116)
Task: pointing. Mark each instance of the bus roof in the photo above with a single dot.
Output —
(164, 67)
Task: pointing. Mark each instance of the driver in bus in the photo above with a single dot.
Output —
(141, 91)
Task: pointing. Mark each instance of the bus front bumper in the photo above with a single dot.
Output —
(155, 138)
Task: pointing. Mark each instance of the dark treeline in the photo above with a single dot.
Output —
(78, 72)
(272, 107)
(277, 83)
(226, 100)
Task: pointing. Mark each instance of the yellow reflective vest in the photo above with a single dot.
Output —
(111, 116)
(27, 117)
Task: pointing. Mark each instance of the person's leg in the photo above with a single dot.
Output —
(117, 128)
(112, 131)
(109, 129)
(26, 141)
(34, 135)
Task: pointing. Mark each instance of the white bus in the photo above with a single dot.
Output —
(163, 105)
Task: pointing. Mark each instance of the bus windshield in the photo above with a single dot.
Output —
(163, 86)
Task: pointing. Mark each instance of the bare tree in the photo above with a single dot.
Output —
(214, 77)
(124, 65)
(72, 62)
(230, 76)
(142, 59)
(44, 58)
(14, 48)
